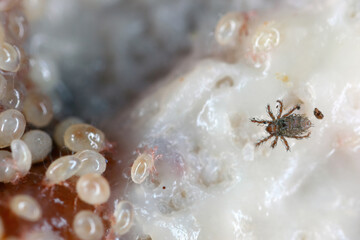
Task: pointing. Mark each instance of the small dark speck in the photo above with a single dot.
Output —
(164, 187)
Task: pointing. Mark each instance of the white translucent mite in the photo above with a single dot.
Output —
(61, 127)
(7, 167)
(93, 188)
(123, 217)
(80, 137)
(9, 57)
(21, 155)
(39, 143)
(62, 169)
(38, 109)
(141, 167)
(88, 226)
(26, 207)
(14, 95)
(44, 73)
(91, 162)
(12, 126)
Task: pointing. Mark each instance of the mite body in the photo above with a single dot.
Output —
(289, 125)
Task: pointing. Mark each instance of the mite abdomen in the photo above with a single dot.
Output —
(296, 124)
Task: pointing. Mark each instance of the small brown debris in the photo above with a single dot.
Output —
(318, 114)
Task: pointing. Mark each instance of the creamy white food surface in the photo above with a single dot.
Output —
(217, 184)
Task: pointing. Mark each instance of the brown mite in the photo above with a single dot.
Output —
(289, 125)
(318, 114)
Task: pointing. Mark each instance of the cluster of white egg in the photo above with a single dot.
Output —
(25, 89)
(22, 106)
(87, 164)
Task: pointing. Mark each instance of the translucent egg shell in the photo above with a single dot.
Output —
(141, 168)
(7, 167)
(228, 29)
(80, 137)
(39, 143)
(62, 169)
(12, 126)
(124, 217)
(266, 38)
(91, 162)
(26, 207)
(9, 57)
(88, 226)
(61, 128)
(38, 109)
(21, 155)
(93, 188)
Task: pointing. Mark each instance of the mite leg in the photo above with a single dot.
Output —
(270, 113)
(297, 107)
(259, 121)
(274, 142)
(286, 143)
(301, 137)
(263, 140)
(280, 109)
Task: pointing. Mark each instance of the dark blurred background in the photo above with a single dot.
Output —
(99, 55)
